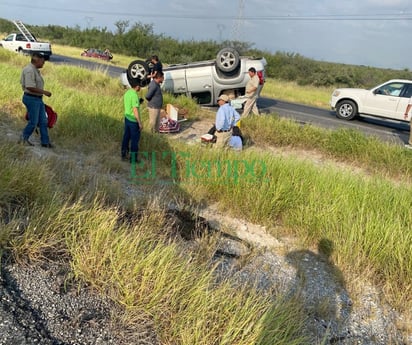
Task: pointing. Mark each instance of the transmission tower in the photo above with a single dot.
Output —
(238, 24)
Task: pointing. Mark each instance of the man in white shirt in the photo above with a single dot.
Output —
(251, 94)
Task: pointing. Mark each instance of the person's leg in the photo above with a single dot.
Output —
(255, 109)
(410, 132)
(33, 106)
(126, 139)
(154, 120)
(158, 120)
(134, 142)
(247, 108)
(44, 132)
(222, 139)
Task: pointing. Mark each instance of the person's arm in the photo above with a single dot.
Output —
(39, 91)
(220, 119)
(408, 108)
(137, 116)
(150, 93)
(253, 86)
(29, 83)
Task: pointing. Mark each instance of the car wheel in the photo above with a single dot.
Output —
(346, 110)
(227, 59)
(138, 69)
(142, 83)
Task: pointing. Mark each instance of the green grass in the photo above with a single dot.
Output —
(80, 216)
(292, 92)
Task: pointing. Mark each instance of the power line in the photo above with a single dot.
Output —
(314, 17)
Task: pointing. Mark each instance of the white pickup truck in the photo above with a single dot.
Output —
(25, 42)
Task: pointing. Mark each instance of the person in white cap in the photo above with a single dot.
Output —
(226, 119)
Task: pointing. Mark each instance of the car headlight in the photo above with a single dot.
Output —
(336, 93)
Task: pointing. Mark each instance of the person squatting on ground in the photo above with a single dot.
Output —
(408, 108)
(154, 97)
(252, 87)
(236, 140)
(132, 123)
(226, 119)
(32, 84)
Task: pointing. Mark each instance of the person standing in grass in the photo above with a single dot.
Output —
(408, 108)
(155, 101)
(252, 87)
(32, 84)
(132, 123)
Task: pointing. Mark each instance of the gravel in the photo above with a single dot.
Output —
(41, 304)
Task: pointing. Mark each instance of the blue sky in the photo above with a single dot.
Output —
(361, 32)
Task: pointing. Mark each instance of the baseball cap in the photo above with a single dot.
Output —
(38, 55)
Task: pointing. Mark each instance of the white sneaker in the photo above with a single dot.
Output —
(408, 146)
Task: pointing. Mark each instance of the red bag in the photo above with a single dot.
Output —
(261, 78)
(51, 116)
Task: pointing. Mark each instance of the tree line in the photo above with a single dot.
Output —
(139, 40)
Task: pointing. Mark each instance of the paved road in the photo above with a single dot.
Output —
(395, 132)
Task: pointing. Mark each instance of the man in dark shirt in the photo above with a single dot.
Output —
(154, 97)
(157, 66)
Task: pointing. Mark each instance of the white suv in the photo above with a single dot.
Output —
(204, 81)
(388, 100)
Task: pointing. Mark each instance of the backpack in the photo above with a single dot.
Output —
(261, 78)
(51, 116)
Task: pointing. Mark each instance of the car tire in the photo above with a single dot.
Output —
(227, 59)
(346, 110)
(138, 69)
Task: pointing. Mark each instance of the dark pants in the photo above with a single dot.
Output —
(131, 134)
(37, 117)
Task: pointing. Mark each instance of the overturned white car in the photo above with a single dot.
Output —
(206, 80)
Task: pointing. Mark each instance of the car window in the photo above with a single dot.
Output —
(20, 37)
(392, 89)
(408, 91)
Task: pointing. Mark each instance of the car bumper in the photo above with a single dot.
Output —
(124, 80)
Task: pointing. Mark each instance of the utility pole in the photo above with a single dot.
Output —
(220, 27)
(88, 21)
(238, 24)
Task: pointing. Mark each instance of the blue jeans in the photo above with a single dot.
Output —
(37, 117)
(131, 134)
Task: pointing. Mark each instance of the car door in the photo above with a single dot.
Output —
(10, 42)
(199, 81)
(175, 81)
(384, 101)
(404, 98)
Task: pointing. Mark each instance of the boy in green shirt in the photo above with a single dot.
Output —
(132, 122)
